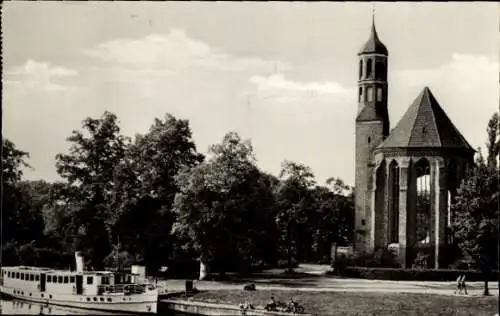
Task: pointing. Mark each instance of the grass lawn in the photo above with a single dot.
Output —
(352, 303)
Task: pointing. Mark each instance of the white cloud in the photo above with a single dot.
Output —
(283, 90)
(176, 50)
(464, 72)
(466, 87)
(38, 76)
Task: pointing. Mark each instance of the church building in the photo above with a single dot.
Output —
(406, 177)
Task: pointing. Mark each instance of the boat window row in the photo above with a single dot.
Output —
(23, 276)
(60, 279)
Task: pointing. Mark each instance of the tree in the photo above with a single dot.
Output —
(146, 188)
(333, 219)
(476, 209)
(224, 207)
(294, 199)
(493, 143)
(338, 186)
(13, 162)
(88, 170)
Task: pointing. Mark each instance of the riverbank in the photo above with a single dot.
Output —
(352, 303)
(330, 284)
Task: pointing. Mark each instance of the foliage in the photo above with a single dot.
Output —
(476, 211)
(88, 170)
(145, 189)
(16, 214)
(225, 207)
(380, 258)
(332, 220)
(294, 200)
(155, 201)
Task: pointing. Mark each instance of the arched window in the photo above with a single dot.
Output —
(379, 70)
(379, 94)
(423, 207)
(393, 230)
(360, 69)
(369, 94)
(369, 71)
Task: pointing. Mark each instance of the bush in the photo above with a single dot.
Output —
(397, 274)
(249, 287)
(379, 258)
(421, 261)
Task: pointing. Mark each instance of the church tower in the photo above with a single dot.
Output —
(372, 127)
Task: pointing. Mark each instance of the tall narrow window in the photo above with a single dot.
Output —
(369, 70)
(379, 70)
(393, 231)
(360, 69)
(379, 94)
(360, 94)
(369, 94)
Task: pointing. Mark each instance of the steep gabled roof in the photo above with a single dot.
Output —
(425, 124)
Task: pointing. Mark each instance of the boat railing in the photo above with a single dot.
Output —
(127, 289)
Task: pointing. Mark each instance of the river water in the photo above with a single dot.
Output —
(18, 307)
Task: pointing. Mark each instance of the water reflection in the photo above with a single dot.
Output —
(17, 307)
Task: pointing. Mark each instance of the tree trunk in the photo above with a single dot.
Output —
(486, 289)
(289, 247)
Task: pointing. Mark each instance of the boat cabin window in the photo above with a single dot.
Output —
(72, 279)
(60, 279)
(66, 279)
(22, 276)
(37, 277)
(105, 280)
(90, 280)
(8, 274)
(32, 277)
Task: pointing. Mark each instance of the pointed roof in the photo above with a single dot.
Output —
(374, 45)
(425, 124)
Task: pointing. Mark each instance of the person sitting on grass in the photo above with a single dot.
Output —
(291, 305)
(272, 304)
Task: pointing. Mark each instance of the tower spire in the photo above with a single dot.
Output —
(373, 15)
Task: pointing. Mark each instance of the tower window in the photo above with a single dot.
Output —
(369, 139)
(360, 69)
(369, 94)
(360, 94)
(379, 94)
(379, 70)
(369, 68)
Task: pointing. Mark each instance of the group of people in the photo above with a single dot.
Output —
(292, 306)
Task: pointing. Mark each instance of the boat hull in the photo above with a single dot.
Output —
(135, 304)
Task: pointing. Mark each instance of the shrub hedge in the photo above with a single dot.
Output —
(414, 274)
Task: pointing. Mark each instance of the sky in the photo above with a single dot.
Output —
(283, 75)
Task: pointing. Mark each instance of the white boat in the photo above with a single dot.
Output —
(94, 290)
